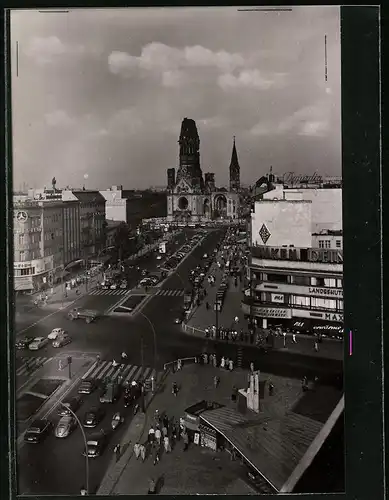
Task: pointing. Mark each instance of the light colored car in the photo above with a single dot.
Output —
(38, 343)
(65, 426)
(159, 257)
(55, 333)
(62, 340)
(113, 286)
(145, 281)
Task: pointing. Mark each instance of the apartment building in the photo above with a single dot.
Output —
(38, 243)
(296, 263)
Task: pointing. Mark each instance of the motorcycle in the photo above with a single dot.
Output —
(117, 419)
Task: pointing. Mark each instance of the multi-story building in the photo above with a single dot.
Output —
(115, 204)
(296, 264)
(38, 243)
(92, 219)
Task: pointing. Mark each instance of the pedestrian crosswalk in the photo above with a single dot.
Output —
(170, 292)
(31, 364)
(128, 373)
(97, 291)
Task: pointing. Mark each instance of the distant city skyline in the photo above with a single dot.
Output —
(102, 93)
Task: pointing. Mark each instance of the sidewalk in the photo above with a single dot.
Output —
(198, 470)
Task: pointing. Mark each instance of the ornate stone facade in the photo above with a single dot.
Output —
(192, 198)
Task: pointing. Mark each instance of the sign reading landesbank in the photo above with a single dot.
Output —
(299, 254)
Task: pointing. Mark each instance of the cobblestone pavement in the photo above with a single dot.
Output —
(196, 470)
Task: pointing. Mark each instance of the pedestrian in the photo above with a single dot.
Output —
(252, 367)
(294, 338)
(222, 363)
(214, 361)
(164, 431)
(231, 365)
(216, 381)
(142, 451)
(166, 443)
(158, 436)
(179, 364)
(137, 450)
(83, 491)
(157, 456)
(207, 332)
(316, 346)
(117, 451)
(174, 389)
(284, 335)
(152, 486)
(165, 420)
(151, 435)
(211, 359)
(186, 441)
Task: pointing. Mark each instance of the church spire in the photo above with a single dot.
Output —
(234, 170)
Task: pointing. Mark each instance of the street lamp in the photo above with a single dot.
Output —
(155, 337)
(85, 444)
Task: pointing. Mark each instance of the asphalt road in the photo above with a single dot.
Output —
(57, 466)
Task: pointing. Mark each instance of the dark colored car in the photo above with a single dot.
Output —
(87, 387)
(37, 431)
(95, 445)
(93, 417)
(24, 343)
(73, 403)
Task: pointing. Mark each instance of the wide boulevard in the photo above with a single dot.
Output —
(150, 339)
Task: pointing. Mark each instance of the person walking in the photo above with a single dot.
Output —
(164, 431)
(151, 435)
(152, 487)
(166, 443)
(179, 365)
(231, 365)
(174, 389)
(158, 436)
(214, 361)
(157, 456)
(142, 450)
(294, 338)
(137, 450)
(252, 367)
(222, 363)
(216, 381)
(165, 421)
(117, 452)
(316, 346)
(186, 441)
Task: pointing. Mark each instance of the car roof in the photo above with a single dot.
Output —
(39, 338)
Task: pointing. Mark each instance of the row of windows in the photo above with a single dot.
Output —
(300, 280)
(48, 219)
(28, 271)
(327, 243)
(302, 301)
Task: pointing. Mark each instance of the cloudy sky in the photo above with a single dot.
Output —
(101, 93)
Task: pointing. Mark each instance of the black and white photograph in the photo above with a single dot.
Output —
(178, 251)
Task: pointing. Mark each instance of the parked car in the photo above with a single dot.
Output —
(95, 445)
(72, 403)
(62, 340)
(24, 343)
(37, 431)
(55, 333)
(87, 387)
(65, 426)
(93, 417)
(38, 343)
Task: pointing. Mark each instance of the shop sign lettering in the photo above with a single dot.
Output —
(277, 297)
(268, 312)
(296, 254)
(333, 317)
(333, 292)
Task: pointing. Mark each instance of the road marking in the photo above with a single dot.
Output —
(22, 370)
(89, 370)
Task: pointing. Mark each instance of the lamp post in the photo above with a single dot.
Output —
(85, 444)
(155, 338)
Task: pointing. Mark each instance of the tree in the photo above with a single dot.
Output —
(122, 240)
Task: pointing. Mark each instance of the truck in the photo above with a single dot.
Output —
(87, 314)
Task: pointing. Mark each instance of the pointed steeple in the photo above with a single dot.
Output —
(234, 170)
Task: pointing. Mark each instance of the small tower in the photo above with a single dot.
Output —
(234, 170)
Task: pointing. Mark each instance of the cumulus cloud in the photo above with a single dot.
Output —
(309, 121)
(124, 122)
(162, 58)
(175, 78)
(250, 79)
(45, 50)
(58, 118)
